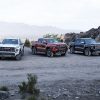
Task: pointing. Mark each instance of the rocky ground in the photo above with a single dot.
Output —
(74, 90)
(64, 90)
(74, 77)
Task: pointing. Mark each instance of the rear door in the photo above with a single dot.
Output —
(43, 46)
(81, 45)
(77, 45)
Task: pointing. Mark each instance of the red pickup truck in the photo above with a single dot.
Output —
(49, 46)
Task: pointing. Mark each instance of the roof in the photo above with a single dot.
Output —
(11, 38)
(84, 38)
(45, 38)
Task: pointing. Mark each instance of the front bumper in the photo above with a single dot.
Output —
(60, 51)
(8, 54)
(97, 51)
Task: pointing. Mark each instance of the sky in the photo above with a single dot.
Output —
(65, 14)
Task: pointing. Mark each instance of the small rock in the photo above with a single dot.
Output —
(49, 95)
(69, 96)
(64, 89)
(77, 97)
(54, 97)
(12, 93)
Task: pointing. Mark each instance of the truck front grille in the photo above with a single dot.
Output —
(7, 49)
(62, 47)
(7, 54)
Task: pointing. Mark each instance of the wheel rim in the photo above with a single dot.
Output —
(33, 51)
(87, 52)
(71, 50)
(49, 53)
(22, 53)
(18, 57)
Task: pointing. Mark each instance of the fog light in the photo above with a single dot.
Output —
(17, 50)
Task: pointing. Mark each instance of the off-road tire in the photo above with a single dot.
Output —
(22, 52)
(33, 51)
(18, 57)
(49, 53)
(87, 52)
(72, 51)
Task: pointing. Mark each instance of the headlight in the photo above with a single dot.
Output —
(92, 47)
(17, 49)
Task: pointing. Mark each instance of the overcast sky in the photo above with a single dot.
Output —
(66, 14)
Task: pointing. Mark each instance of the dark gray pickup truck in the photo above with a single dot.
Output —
(86, 45)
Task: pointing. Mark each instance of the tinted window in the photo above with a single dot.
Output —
(40, 40)
(90, 41)
(51, 40)
(10, 41)
(77, 41)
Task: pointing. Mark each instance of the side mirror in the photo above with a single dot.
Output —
(21, 43)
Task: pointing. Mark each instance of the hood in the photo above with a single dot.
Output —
(98, 43)
(9, 45)
(59, 43)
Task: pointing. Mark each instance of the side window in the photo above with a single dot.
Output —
(40, 40)
(77, 41)
(44, 40)
(82, 41)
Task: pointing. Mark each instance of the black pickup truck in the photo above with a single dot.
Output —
(86, 45)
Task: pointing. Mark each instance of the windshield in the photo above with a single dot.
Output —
(90, 41)
(10, 41)
(51, 41)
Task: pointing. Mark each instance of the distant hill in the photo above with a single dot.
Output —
(28, 31)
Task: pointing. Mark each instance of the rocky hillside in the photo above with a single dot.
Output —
(92, 33)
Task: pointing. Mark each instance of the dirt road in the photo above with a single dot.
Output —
(75, 66)
(71, 77)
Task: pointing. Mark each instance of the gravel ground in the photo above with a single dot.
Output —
(72, 72)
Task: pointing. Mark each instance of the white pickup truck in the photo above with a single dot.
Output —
(12, 47)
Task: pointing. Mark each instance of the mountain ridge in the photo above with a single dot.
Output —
(28, 31)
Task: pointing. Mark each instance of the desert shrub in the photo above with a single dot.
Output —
(4, 88)
(27, 43)
(32, 98)
(29, 86)
(43, 98)
(23, 87)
